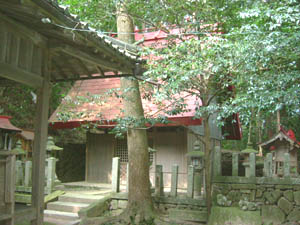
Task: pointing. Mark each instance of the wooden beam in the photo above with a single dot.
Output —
(29, 55)
(20, 75)
(60, 71)
(4, 47)
(84, 67)
(87, 37)
(14, 26)
(91, 58)
(16, 60)
(39, 148)
(94, 77)
(100, 71)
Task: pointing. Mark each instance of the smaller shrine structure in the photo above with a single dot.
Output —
(281, 143)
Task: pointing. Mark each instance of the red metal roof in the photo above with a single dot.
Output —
(112, 108)
(6, 125)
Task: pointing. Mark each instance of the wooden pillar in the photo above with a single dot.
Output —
(39, 147)
(10, 189)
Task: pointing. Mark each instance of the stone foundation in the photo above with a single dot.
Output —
(278, 204)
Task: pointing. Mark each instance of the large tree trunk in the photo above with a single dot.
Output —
(208, 158)
(139, 194)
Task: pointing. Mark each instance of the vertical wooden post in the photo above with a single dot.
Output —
(190, 184)
(235, 164)
(10, 187)
(115, 175)
(286, 165)
(268, 165)
(252, 162)
(159, 181)
(217, 162)
(174, 181)
(40, 139)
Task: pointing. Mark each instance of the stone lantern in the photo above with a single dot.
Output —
(197, 161)
(7, 132)
(19, 150)
(52, 148)
(51, 162)
(247, 151)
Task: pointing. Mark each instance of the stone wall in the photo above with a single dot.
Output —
(278, 203)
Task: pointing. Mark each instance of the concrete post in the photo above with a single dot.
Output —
(190, 184)
(252, 162)
(115, 175)
(174, 181)
(235, 164)
(51, 166)
(28, 169)
(217, 162)
(159, 182)
(286, 165)
(19, 173)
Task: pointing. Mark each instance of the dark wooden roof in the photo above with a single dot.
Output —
(281, 135)
(75, 55)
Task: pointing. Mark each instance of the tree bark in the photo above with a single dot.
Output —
(208, 158)
(139, 194)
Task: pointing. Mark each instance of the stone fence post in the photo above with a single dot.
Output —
(115, 175)
(51, 167)
(235, 164)
(28, 174)
(19, 173)
(252, 162)
(268, 165)
(217, 162)
(286, 165)
(159, 181)
(174, 181)
(190, 184)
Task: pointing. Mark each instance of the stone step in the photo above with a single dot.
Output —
(80, 198)
(53, 214)
(72, 207)
(61, 221)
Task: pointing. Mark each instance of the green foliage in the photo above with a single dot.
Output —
(19, 102)
(257, 53)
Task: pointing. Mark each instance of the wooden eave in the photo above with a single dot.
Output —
(75, 55)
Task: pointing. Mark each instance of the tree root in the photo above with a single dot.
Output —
(131, 217)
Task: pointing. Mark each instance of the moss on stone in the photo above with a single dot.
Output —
(233, 216)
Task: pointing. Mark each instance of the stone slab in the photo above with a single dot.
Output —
(188, 215)
(233, 216)
(272, 214)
